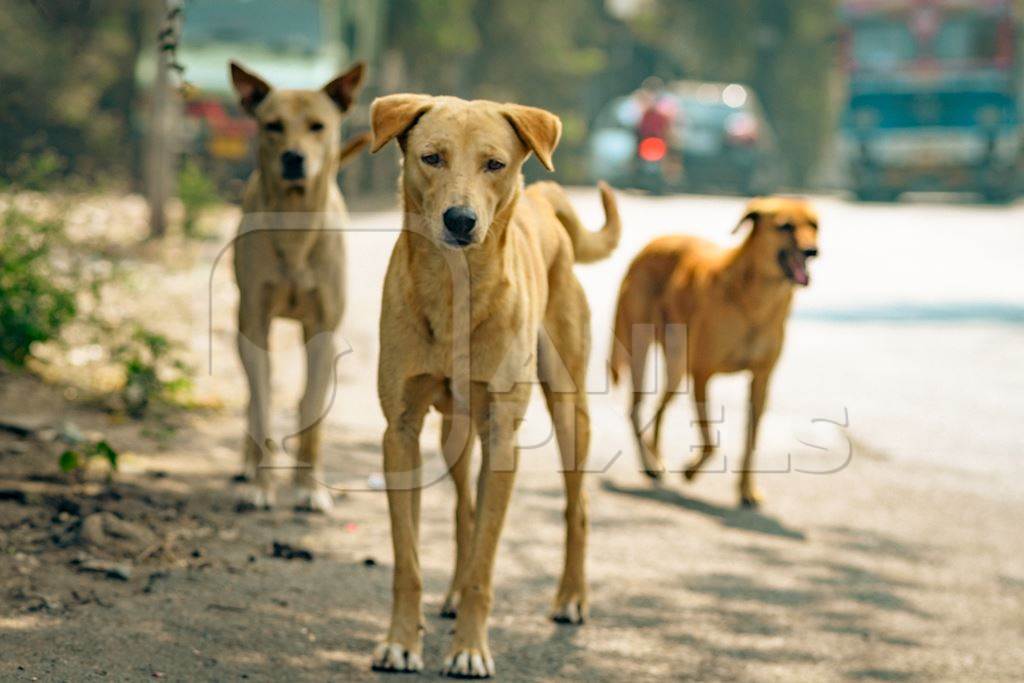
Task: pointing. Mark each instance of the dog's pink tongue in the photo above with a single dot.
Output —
(799, 268)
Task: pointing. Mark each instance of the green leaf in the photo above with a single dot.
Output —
(68, 461)
(103, 449)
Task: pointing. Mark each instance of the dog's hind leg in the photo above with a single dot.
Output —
(749, 496)
(312, 493)
(673, 343)
(642, 340)
(253, 348)
(572, 430)
(563, 357)
(457, 434)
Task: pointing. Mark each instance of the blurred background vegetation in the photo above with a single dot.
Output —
(70, 100)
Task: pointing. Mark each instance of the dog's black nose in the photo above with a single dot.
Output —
(813, 251)
(460, 221)
(293, 166)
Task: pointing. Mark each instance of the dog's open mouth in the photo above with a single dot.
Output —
(295, 190)
(794, 265)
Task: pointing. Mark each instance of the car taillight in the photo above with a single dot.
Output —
(742, 129)
(652, 149)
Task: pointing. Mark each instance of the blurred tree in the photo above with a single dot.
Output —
(544, 54)
(67, 84)
(434, 38)
(531, 51)
(67, 67)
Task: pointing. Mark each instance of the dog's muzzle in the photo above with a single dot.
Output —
(293, 166)
(459, 222)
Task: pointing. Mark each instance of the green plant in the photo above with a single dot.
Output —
(78, 458)
(197, 192)
(37, 297)
(37, 171)
(153, 369)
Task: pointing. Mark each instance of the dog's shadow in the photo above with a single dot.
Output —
(731, 517)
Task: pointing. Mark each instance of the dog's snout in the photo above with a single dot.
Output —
(810, 251)
(459, 222)
(293, 165)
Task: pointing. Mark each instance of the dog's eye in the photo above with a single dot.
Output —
(316, 126)
(274, 126)
(494, 165)
(786, 227)
(431, 159)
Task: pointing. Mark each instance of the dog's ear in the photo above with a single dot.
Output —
(251, 88)
(539, 130)
(750, 217)
(343, 88)
(392, 116)
(756, 210)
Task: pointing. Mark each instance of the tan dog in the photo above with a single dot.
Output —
(733, 304)
(480, 301)
(289, 260)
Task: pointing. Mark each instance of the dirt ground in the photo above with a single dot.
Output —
(884, 571)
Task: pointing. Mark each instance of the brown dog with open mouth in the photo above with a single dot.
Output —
(289, 261)
(713, 310)
(480, 301)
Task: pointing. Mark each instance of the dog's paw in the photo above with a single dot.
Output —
(691, 471)
(396, 658)
(450, 607)
(654, 475)
(571, 610)
(651, 461)
(255, 498)
(751, 499)
(315, 499)
(468, 663)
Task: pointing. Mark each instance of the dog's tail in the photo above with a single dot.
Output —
(588, 246)
(352, 147)
(622, 341)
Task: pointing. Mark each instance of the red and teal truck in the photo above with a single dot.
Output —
(933, 97)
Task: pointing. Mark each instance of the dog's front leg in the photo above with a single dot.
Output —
(403, 648)
(700, 404)
(253, 349)
(470, 655)
(749, 495)
(312, 493)
(457, 435)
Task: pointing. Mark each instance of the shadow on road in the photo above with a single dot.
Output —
(733, 518)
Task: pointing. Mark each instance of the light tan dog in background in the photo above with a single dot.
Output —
(712, 310)
(480, 300)
(289, 262)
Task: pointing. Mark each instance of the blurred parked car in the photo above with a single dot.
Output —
(716, 138)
